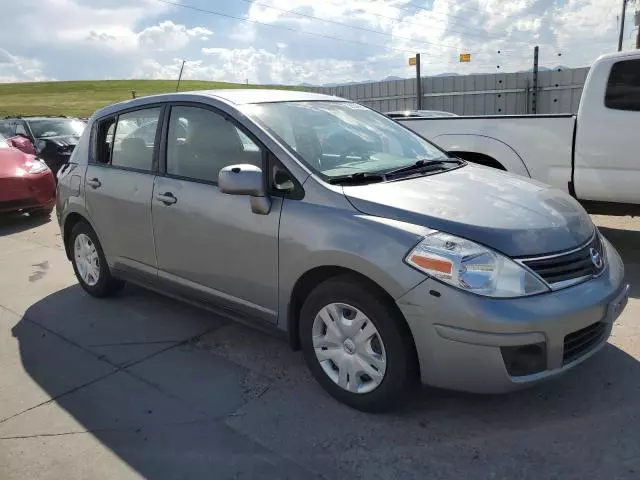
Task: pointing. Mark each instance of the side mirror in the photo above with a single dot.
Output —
(245, 180)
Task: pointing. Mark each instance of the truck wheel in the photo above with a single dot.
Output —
(357, 345)
(90, 264)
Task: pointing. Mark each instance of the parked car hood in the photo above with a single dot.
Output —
(509, 213)
(10, 160)
(62, 140)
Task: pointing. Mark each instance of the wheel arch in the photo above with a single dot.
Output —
(484, 148)
(317, 275)
(70, 221)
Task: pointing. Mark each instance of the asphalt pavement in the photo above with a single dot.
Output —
(144, 386)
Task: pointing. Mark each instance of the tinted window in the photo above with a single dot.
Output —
(623, 88)
(201, 143)
(6, 129)
(135, 139)
(20, 130)
(104, 140)
(53, 127)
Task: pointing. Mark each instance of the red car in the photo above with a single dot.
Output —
(26, 183)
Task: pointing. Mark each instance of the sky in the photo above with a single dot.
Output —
(298, 41)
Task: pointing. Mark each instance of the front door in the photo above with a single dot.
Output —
(606, 156)
(118, 191)
(209, 244)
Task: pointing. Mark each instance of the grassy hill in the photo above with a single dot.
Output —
(83, 98)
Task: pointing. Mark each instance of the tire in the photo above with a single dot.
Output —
(41, 212)
(393, 340)
(105, 284)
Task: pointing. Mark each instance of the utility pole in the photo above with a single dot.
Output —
(418, 84)
(621, 37)
(180, 76)
(534, 99)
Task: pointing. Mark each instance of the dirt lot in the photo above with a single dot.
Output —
(143, 386)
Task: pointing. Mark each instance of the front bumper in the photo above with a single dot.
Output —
(459, 335)
(28, 192)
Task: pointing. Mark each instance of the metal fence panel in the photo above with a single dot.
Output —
(480, 94)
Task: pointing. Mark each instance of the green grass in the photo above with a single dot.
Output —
(83, 98)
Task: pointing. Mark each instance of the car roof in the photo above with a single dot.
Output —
(238, 96)
(623, 54)
(41, 118)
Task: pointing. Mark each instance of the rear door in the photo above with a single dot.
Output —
(210, 245)
(607, 159)
(118, 190)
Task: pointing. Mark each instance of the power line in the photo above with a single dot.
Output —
(407, 6)
(483, 34)
(282, 27)
(364, 29)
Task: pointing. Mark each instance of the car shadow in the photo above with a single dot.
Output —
(129, 372)
(19, 222)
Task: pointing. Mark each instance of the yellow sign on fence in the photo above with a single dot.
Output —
(465, 57)
(412, 61)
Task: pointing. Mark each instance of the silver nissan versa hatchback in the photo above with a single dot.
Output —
(383, 258)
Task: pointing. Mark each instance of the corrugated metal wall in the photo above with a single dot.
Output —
(486, 94)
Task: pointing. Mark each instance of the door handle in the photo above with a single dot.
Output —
(94, 183)
(166, 198)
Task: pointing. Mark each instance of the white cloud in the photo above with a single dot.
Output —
(107, 38)
(19, 69)
(167, 36)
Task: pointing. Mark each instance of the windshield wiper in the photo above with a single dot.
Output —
(357, 179)
(423, 166)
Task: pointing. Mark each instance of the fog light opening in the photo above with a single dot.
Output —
(524, 360)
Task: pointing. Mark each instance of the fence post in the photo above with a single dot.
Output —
(534, 101)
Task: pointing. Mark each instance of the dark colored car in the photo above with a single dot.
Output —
(53, 138)
(26, 183)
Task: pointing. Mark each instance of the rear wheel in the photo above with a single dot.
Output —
(357, 345)
(89, 263)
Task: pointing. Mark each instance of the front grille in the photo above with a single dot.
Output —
(569, 266)
(580, 342)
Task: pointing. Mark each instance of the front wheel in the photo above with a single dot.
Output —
(90, 264)
(357, 345)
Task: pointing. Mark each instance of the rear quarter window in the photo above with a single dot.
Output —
(623, 86)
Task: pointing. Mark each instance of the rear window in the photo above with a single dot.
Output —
(623, 87)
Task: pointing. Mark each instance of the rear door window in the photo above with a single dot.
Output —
(623, 87)
(134, 139)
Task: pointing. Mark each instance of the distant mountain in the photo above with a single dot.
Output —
(446, 74)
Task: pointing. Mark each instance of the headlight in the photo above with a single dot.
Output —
(35, 166)
(466, 265)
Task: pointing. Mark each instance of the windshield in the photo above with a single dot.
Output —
(54, 127)
(343, 138)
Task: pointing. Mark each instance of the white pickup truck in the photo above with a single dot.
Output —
(594, 155)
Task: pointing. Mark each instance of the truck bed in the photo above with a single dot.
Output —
(537, 146)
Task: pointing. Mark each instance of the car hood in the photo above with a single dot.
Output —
(68, 141)
(511, 214)
(10, 160)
